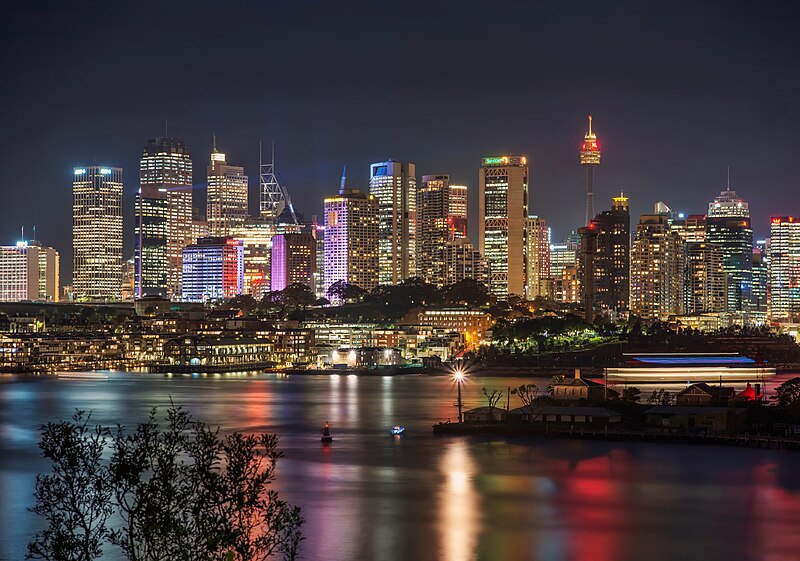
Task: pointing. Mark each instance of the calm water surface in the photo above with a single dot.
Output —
(419, 497)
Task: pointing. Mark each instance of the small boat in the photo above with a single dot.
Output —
(81, 376)
(326, 435)
(397, 430)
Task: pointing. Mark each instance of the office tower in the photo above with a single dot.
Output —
(656, 269)
(226, 200)
(691, 228)
(256, 237)
(537, 258)
(760, 270)
(97, 233)
(460, 261)
(784, 269)
(441, 218)
(394, 186)
(564, 254)
(728, 226)
(351, 239)
(163, 225)
(294, 260)
(704, 283)
(319, 278)
(590, 158)
(565, 286)
(502, 215)
(612, 258)
(213, 269)
(28, 271)
(129, 279)
(586, 269)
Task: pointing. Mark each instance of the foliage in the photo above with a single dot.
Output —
(631, 394)
(660, 397)
(526, 393)
(75, 499)
(183, 492)
(788, 393)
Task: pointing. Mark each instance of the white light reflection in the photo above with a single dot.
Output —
(459, 525)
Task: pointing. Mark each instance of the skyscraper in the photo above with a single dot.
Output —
(502, 216)
(213, 269)
(537, 258)
(461, 261)
(704, 285)
(728, 227)
(28, 271)
(226, 200)
(394, 186)
(294, 260)
(441, 218)
(163, 225)
(351, 239)
(256, 237)
(656, 269)
(612, 258)
(97, 233)
(784, 269)
(589, 158)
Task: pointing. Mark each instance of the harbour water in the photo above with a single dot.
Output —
(417, 496)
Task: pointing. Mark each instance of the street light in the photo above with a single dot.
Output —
(458, 376)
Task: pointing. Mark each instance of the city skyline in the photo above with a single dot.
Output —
(670, 122)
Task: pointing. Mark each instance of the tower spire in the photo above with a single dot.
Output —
(590, 125)
(344, 175)
(214, 142)
(729, 179)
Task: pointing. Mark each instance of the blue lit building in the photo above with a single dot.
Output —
(213, 269)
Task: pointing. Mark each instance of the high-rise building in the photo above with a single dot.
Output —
(587, 262)
(537, 258)
(394, 186)
(590, 158)
(213, 269)
(319, 281)
(656, 269)
(691, 228)
(461, 261)
(760, 269)
(351, 239)
(97, 233)
(502, 216)
(294, 260)
(226, 200)
(564, 254)
(728, 227)
(163, 225)
(441, 218)
(704, 286)
(256, 237)
(612, 258)
(28, 271)
(784, 270)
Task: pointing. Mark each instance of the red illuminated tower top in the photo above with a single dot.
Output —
(590, 149)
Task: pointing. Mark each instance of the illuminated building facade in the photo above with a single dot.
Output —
(213, 269)
(226, 200)
(537, 258)
(351, 239)
(760, 271)
(394, 186)
(294, 260)
(502, 217)
(656, 269)
(460, 260)
(704, 285)
(590, 158)
(784, 270)
(256, 237)
(163, 217)
(728, 227)
(692, 228)
(441, 219)
(472, 325)
(612, 258)
(28, 271)
(97, 233)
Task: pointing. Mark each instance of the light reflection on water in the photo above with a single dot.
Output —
(373, 496)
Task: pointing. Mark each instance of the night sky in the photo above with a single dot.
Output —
(679, 91)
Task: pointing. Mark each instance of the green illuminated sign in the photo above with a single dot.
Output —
(492, 161)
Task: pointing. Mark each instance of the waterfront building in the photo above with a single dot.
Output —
(502, 216)
(704, 282)
(537, 258)
(728, 227)
(226, 200)
(213, 269)
(28, 271)
(784, 270)
(472, 325)
(612, 256)
(394, 186)
(656, 269)
(294, 260)
(351, 239)
(590, 158)
(97, 233)
(441, 218)
(163, 216)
